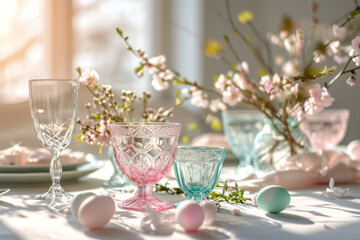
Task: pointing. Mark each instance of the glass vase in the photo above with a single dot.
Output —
(118, 181)
(271, 150)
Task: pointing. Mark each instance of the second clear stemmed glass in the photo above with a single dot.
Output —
(240, 129)
(326, 129)
(54, 108)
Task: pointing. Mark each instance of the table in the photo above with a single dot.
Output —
(309, 216)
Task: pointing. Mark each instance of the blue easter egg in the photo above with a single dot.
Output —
(273, 199)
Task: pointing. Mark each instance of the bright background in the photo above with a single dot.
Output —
(49, 38)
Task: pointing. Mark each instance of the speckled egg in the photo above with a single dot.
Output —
(96, 211)
(190, 215)
(76, 202)
(273, 199)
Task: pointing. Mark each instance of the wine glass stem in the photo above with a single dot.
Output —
(145, 191)
(55, 169)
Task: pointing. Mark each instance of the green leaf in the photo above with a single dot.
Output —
(78, 137)
(139, 68)
(179, 101)
(177, 82)
(226, 37)
(261, 72)
(178, 93)
(119, 32)
(95, 116)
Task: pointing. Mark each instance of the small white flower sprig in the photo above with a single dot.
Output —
(292, 92)
(106, 108)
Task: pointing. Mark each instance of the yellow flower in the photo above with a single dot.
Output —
(213, 48)
(245, 16)
(216, 124)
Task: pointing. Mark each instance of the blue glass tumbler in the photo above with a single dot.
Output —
(197, 169)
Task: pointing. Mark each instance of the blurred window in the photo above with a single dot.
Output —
(28, 37)
(21, 46)
(97, 45)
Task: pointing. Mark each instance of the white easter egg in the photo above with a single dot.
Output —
(95, 212)
(353, 149)
(190, 215)
(76, 202)
(210, 211)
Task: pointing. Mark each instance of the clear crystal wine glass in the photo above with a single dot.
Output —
(326, 129)
(54, 108)
(144, 153)
(240, 129)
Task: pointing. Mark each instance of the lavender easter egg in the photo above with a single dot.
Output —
(273, 199)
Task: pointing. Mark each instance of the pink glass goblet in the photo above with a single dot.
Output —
(144, 153)
(326, 129)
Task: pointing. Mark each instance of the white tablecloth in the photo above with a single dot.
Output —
(309, 216)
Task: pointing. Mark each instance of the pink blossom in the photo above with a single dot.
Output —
(199, 100)
(279, 60)
(326, 99)
(356, 60)
(157, 63)
(103, 126)
(167, 75)
(267, 83)
(158, 83)
(318, 56)
(316, 92)
(356, 45)
(232, 95)
(295, 89)
(243, 67)
(217, 105)
(319, 99)
(253, 199)
(298, 112)
(333, 48)
(339, 32)
(220, 83)
(289, 68)
(351, 81)
(241, 82)
(88, 76)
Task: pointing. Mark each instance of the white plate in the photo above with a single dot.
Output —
(38, 168)
(37, 177)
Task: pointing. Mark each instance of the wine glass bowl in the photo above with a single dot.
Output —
(240, 129)
(327, 128)
(144, 153)
(197, 169)
(54, 108)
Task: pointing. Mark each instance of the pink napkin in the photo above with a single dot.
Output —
(298, 171)
(19, 155)
(309, 169)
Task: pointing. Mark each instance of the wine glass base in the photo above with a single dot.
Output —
(194, 197)
(139, 204)
(60, 200)
(55, 191)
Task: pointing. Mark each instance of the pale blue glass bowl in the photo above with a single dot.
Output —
(240, 130)
(197, 169)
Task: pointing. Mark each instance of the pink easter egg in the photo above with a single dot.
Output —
(190, 215)
(210, 211)
(95, 212)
